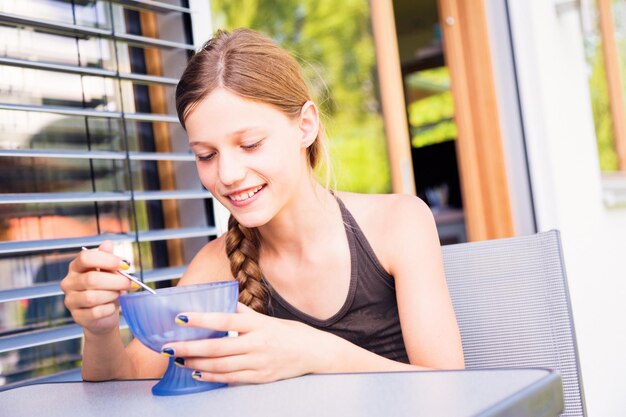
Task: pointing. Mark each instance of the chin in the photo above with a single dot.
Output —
(251, 220)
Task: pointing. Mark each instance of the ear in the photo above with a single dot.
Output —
(309, 123)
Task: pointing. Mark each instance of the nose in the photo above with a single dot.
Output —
(231, 169)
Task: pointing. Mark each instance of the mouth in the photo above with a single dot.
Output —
(244, 195)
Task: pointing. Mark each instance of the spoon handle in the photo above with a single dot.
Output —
(132, 278)
(136, 281)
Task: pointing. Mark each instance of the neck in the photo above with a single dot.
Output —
(305, 221)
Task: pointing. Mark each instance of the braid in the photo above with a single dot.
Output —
(242, 248)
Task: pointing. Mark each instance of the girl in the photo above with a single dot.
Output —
(329, 282)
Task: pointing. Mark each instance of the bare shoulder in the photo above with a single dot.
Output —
(390, 219)
(387, 210)
(210, 264)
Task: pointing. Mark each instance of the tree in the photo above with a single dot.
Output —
(334, 46)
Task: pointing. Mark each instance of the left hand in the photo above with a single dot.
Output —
(266, 349)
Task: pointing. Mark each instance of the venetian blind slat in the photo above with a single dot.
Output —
(13, 247)
(112, 155)
(39, 198)
(87, 32)
(71, 69)
(53, 289)
(155, 6)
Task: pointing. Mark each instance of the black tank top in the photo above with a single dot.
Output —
(369, 316)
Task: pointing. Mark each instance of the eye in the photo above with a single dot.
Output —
(252, 145)
(204, 158)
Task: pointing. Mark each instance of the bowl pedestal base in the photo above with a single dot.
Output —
(178, 381)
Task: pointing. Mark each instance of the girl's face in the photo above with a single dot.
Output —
(249, 155)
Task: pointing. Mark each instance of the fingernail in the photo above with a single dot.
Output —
(179, 362)
(134, 285)
(168, 351)
(181, 319)
(124, 265)
(196, 375)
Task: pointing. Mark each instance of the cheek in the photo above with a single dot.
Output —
(288, 155)
(207, 176)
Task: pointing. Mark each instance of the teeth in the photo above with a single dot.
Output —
(244, 195)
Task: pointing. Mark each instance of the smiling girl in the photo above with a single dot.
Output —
(329, 281)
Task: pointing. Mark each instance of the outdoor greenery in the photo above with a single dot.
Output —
(431, 116)
(598, 86)
(602, 119)
(336, 51)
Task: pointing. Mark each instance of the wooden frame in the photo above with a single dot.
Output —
(614, 81)
(392, 97)
(480, 151)
(154, 66)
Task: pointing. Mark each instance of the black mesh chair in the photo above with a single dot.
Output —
(512, 305)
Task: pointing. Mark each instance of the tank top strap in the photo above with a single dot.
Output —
(352, 227)
(354, 268)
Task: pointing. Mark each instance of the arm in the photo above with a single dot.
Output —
(269, 349)
(91, 292)
(91, 296)
(429, 328)
(407, 245)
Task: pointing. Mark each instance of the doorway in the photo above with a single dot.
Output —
(430, 115)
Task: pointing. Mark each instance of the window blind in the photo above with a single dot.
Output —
(90, 150)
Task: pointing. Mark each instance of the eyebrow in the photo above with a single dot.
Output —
(238, 132)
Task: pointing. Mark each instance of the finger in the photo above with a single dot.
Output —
(244, 309)
(247, 376)
(222, 365)
(93, 259)
(106, 246)
(225, 322)
(89, 299)
(86, 315)
(218, 347)
(97, 280)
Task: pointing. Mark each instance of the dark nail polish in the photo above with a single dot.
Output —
(196, 375)
(182, 318)
(179, 362)
(168, 351)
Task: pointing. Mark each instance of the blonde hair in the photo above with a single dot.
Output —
(252, 66)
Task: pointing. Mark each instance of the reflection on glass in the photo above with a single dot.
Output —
(141, 136)
(37, 221)
(90, 52)
(39, 131)
(76, 170)
(146, 174)
(40, 360)
(46, 175)
(85, 13)
(37, 87)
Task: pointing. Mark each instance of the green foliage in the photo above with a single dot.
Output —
(603, 121)
(336, 53)
(431, 117)
(359, 156)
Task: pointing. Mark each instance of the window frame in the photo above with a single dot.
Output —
(168, 195)
(613, 183)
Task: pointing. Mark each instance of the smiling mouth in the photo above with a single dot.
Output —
(244, 195)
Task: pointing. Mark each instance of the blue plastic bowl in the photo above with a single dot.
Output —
(151, 320)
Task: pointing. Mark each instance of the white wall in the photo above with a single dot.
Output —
(567, 190)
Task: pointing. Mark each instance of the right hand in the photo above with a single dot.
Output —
(92, 289)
